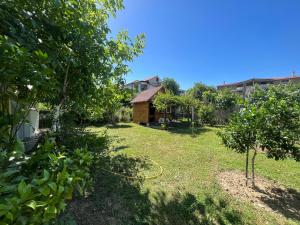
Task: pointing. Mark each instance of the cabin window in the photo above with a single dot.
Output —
(143, 87)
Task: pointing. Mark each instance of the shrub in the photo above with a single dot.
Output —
(34, 189)
(207, 114)
(124, 114)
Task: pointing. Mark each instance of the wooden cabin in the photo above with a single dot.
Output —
(143, 110)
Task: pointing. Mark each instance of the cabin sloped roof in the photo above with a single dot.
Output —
(146, 95)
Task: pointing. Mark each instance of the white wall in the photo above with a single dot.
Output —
(31, 126)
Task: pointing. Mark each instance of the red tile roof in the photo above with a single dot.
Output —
(147, 95)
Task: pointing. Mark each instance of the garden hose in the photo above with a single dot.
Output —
(136, 178)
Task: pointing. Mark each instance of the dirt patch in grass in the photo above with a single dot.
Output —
(266, 194)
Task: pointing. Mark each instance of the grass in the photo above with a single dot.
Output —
(188, 191)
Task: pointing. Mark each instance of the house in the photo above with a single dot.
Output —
(143, 110)
(138, 86)
(28, 130)
(244, 88)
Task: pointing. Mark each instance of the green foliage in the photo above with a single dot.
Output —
(199, 89)
(268, 121)
(278, 121)
(163, 101)
(240, 134)
(64, 51)
(207, 114)
(34, 188)
(226, 100)
(171, 85)
(124, 115)
(58, 53)
(186, 104)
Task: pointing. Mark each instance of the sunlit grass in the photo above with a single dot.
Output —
(191, 163)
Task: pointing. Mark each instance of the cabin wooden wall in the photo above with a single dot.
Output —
(141, 112)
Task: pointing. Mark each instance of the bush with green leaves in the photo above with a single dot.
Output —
(124, 114)
(207, 114)
(171, 85)
(34, 188)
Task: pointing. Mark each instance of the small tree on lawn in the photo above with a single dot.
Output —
(240, 134)
(162, 102)
(187, 103)
(268, 121)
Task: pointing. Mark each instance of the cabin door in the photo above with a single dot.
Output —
(151, 113)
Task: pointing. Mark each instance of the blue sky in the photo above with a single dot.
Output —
(213, 41)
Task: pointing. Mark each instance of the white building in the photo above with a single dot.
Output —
(245, 88)
(138, 86)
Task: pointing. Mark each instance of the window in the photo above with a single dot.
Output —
(143, 87)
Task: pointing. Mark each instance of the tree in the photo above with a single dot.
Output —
(163, 101)
(187, 104)
(198, 91)
(207, 113)
(226, 100)
(226, 103)
(171, 85)
(59, 53)
(268, 121)
(81, 61)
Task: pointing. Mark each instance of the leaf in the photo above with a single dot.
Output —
(26, 192)
(46, 174)
(51, 210)
(32, 204)
(52, 185)
(9, 216)
(19, 147)
(60, 189)
(21, 187)
(3, 209)
(40, 203)
(44, 190)
(62, 205)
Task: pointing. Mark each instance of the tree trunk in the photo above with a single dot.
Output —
(56, 123)
(253, 166)
(247, 166)
(165, 118)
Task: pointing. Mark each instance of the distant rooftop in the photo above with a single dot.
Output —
(257, 80)
(144, 80)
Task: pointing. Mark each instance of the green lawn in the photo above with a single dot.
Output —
(187, 192)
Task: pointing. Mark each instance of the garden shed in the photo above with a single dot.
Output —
(143, 109)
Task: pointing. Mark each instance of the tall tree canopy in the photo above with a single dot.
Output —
(57, 52)
(171, 85)
(198, 90)
(63, 50)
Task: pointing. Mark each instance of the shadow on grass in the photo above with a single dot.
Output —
(183, 128)
(286, 202)
(120, 148)
(188, 131)
(186, 209)
(117, 200)
(118, 126)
